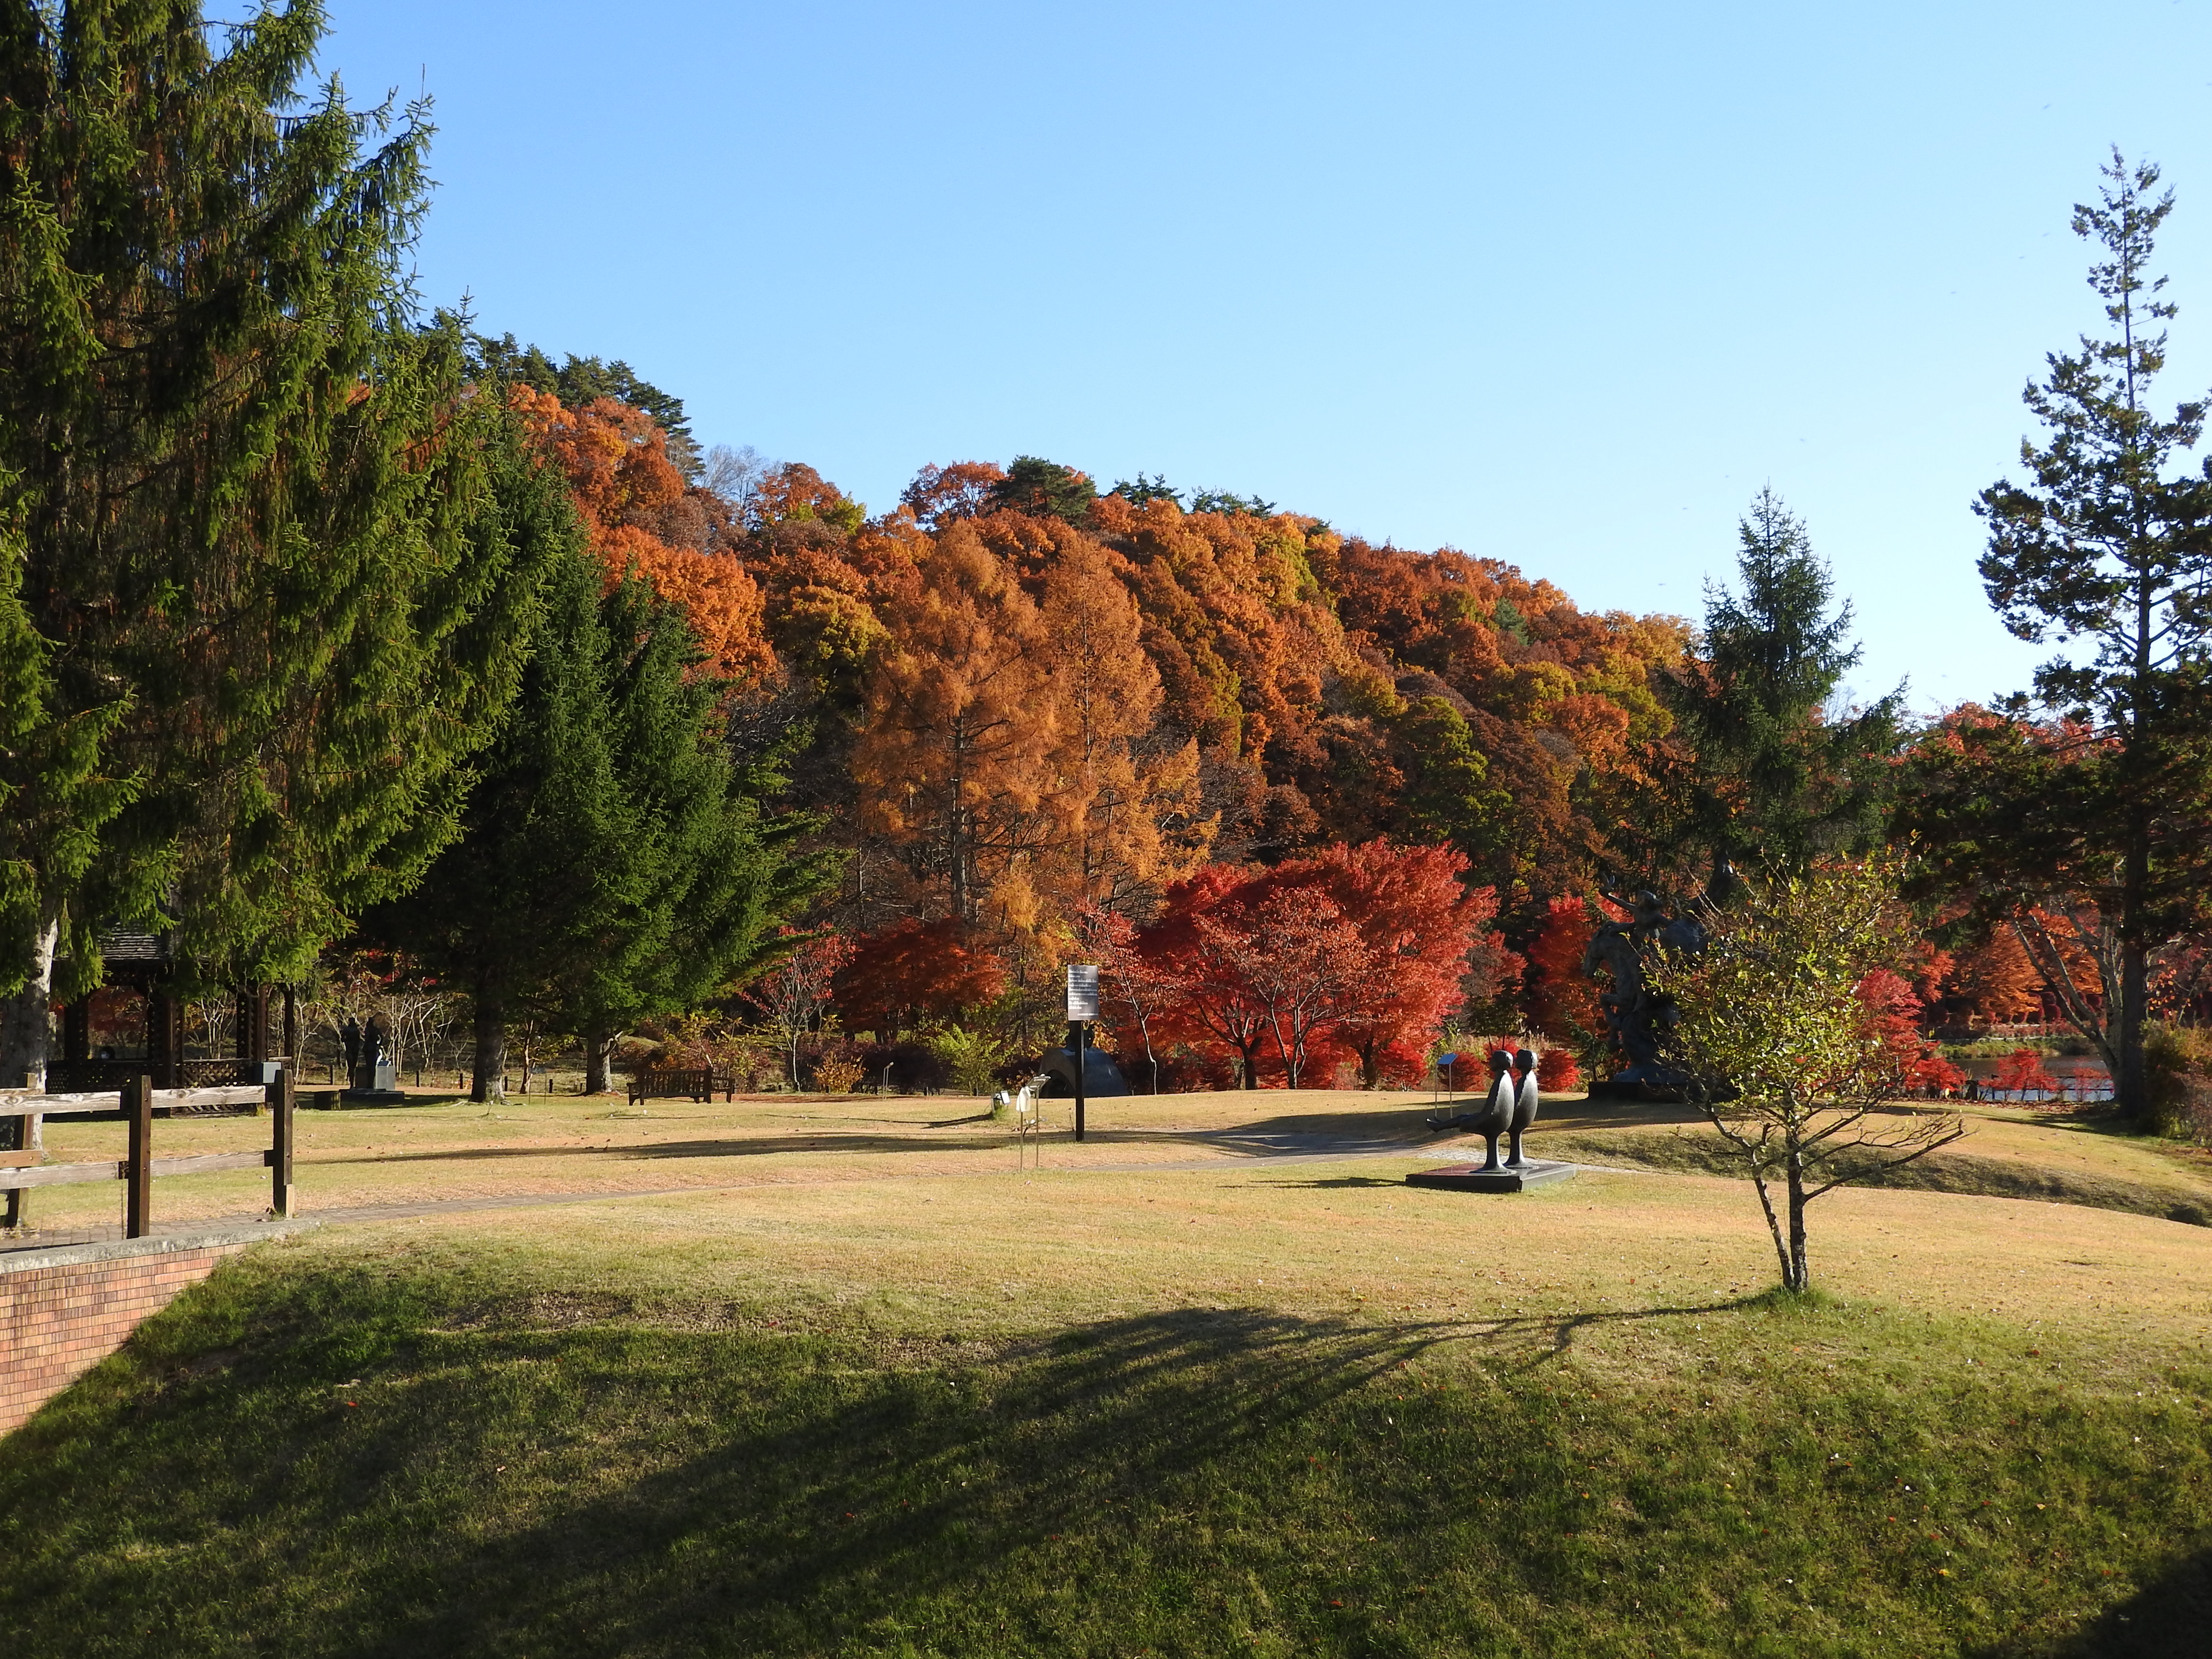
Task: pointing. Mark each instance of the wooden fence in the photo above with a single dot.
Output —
(134, 1104)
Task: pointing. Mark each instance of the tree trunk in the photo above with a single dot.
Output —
(599, 1049)
(490, 1084)
(1796, 1272)
(2128, 1087)
(1773, 1222)
(27, 1017)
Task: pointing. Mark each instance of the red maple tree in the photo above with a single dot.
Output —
(1419, 921)
(1894, 1007)
(1301, 963)
(1412, 924)
(1136, 989)
(915, 968)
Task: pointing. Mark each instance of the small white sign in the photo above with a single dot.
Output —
(1082, 991)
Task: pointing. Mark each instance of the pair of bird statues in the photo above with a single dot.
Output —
(1510, 1107)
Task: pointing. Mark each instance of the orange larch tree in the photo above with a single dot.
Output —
(954, 753)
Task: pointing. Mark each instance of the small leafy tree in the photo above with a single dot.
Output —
(1787, 1056)
(971, 1057)
(794, 996)
(1136, 986)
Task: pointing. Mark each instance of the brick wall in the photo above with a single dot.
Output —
(62, 1310)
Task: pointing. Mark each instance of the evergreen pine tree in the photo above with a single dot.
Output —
(2110, 542)
(265, 623)
(1771, 778)
(501, 911)
(613, 863)
(695, 887)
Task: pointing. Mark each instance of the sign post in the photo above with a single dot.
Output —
(1082, 1008)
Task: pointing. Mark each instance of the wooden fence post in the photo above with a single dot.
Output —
(280, 1142)
(138, 1170)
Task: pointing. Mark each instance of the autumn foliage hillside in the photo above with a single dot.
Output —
(1016, 700)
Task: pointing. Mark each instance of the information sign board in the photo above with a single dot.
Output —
(1082, 990)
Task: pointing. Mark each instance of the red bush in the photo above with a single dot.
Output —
(2023, 1069)
(1556, 1071)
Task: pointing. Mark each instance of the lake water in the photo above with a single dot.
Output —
(2079, 1077)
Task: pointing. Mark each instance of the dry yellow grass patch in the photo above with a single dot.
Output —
(1581, 1264)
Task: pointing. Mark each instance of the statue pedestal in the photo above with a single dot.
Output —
(374, 1097)
(1473, 1178)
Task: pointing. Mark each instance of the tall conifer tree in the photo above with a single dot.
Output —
(613, 863)
(2109, 542)
(266, 617)
(1774, 777)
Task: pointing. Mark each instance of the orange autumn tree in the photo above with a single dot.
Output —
(954, 758)
(1995, 982)
(631, 498)
(1128, 818)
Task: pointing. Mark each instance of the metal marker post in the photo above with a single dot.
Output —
(1075, 1046)
(1082, 1007)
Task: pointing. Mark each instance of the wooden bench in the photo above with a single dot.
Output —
(698, 1083)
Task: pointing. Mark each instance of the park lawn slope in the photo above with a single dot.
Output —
(1192, 1413)
(2052, 1159)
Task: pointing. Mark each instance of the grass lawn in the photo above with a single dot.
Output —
(848, 1385)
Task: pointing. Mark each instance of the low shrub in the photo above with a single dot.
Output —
(972, 1060)
(2178, 1080)
(911, 1068)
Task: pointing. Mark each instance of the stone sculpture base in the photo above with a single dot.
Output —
(374, 1097)
(1473, 1178)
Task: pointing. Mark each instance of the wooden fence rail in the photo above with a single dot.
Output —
(134, 1104)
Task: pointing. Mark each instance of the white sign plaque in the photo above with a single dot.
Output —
(1082, 991)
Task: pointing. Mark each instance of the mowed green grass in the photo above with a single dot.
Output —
(1234, 1410)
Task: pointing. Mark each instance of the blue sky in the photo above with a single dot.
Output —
(1563, 285)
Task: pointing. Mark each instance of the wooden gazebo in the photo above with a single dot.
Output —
(142, 962)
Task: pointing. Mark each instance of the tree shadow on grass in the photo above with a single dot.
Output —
(914, 1493)
(2171, 1619)
(379, 1469)
(378, 1461)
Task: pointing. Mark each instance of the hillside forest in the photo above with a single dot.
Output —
(350, 648)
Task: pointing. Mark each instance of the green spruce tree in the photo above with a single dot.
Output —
(701, 878)
(1771, 774)
(614, 863)
(264, 624)
(504, 911)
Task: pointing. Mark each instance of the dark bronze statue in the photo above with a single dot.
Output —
(1496, 1116)
(1636, 1016)
(1526, 1100)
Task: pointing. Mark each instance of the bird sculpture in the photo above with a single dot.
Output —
(1525, 1103)
(1496, 1117)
